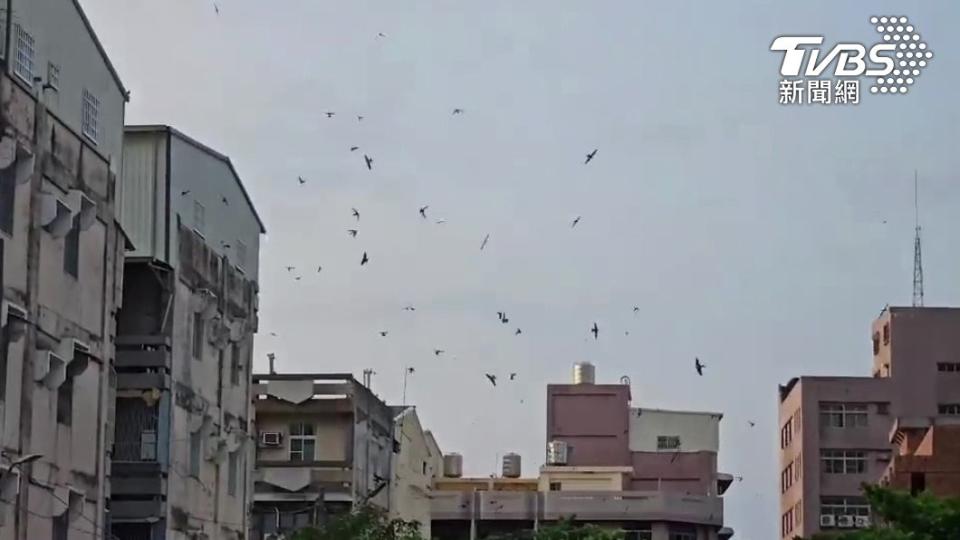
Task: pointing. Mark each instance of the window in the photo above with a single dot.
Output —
(886, 333)
(883, 408)
(197, 336)
(797, 466)
(843, 415)
(876, 344)
(786, 523)
(53, 75)
(233, 471)
(786, 434)
(638, 534)
(196, 444)
(65, 402)
(148, 445)
(91, 115)
(60, 526)
(786, 477)
(241, 254)
(948, 367)
(951, 409)
(235, 364)
(844, 461)
(424, 468)
(796, 422)
(555, 486)
(199, 217)
(844, 506)
(23, 65)
(679, 532)
(798, 513)
(918, 483)
(71, 250)
(670, 442)
(8, 185)
(303, 442)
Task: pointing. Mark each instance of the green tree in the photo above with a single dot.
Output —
(566, 530)
(364, 523)
(901, 516)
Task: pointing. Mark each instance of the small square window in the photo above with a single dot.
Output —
(241, 254)
(91, 115)
(53, 75)
(23, 64)
(670, 442)
(555, 486)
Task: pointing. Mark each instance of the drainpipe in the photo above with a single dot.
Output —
(473, 515)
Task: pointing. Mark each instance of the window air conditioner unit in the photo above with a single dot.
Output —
(14, 317)
(271, 439)
(49, 368)
(845, 521)
(861, 522)
(828, 520)
(55, 216)
(84, 207)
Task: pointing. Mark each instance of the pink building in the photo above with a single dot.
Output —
(835, 431)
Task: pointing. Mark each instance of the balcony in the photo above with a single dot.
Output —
(586, 506)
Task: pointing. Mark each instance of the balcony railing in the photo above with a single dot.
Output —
(588, 506)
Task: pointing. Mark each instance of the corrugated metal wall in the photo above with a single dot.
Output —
(144, 193)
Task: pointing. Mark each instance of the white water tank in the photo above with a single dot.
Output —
(557, 453)
(584, 373)
(453, 465)
(511, 465)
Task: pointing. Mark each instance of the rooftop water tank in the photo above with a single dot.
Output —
(511, 465)
(453, 465)
(584, 373)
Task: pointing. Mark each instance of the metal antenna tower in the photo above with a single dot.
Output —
(917, 252)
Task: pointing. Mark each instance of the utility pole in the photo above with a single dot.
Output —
(917, 251)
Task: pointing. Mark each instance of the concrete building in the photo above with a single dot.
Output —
(61, 253)
(835, 431)
(324, 443)
(181, 450)
(927, 457)
(649, 472)
(416, 464)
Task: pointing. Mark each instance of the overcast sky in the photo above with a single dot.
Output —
(761, 238)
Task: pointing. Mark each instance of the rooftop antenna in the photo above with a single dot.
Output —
(917, 252)
(406, 373)
(368, 378)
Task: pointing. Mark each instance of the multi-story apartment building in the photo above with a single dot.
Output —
(835, 432)
(324, 443)
(416, 464)
(650, 472)
(181, 446)
(61, 256)
(927, 457)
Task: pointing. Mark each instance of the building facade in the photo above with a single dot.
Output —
(927, 457)
(324, 443)
(61, 255)
(416, 464)
(650, 472)
(835, 432)
(182, 447)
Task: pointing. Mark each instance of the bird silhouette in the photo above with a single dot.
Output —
(383, 333)
(699, 367)
(291, 268)
(409, 308)
(441, 221)
(423, 211)
(301, 180)
(484, 243)
(438, 352)
(224, 245)
(518, 332)
(365, 259)
(636, 309)
(458, 111)
(224, 201)
(184, 193)
(356, 213)
(381, 34)
(354, 148)
(273, 334)
(297, 278)
(752, 423)
(590, 156)
(504, 320)
(739, 478)
(513, 376)
(359, 118)
(330, 114)
(595, 331)
(411, 370)
(500, 315)
(216, 8)
(319, 268)
(575, 221)
(491, 378)
(352, 232)
(369, 161)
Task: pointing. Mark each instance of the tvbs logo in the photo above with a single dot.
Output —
(896, 60)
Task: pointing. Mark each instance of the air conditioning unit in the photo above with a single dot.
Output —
(55, 216)
(828, 520)
(845, 521)
(271, 439)
(861, 522)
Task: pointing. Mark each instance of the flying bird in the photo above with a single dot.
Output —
(513, 376)
(354, 148)
(636, 309)
(504, 320)
(184, 193)
(301, 180)
(381, 34)
(359, 118)
(319, 268)
(356, 213)
(491, 378)
(216, 8)
(595, 330)
(500, 315)
(298, 278)
(423, 211)
(575, 221)
(273, 334)
(409, 308)
(383, 333)
(365, 259)
(441, 221)
(699, 367)
(518, 332)
(438, 352)
(369, 161)
(291, 268)
(224, 244)
(352, 232)
(225, 201)
(411, 370)
(590, 156)
(458, 111)
(484, 243)
(330, 114)
(752, 423)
